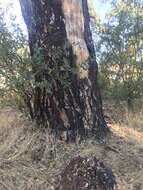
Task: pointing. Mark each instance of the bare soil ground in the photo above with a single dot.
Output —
(31, 160)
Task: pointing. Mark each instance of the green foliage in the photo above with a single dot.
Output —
(15, 64)
(20, 74)
(50, 67)
(104, 81)
(120, 50)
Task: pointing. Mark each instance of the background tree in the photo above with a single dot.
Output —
(66, 95)
(120, 50)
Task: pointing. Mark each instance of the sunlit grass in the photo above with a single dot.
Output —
(19, 142)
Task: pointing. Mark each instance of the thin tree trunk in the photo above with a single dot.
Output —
(59, 32)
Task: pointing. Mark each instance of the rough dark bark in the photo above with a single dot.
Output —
(64, 25)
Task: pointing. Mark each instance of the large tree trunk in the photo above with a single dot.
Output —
(68, 96)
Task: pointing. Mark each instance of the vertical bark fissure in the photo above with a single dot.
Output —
(99, 123)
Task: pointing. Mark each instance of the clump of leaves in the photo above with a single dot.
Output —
(51, 66)
(15, 63)
(21, 74)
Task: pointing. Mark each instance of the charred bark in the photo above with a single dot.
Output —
(64, 26)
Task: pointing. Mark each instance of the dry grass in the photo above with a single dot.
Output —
(30, 160)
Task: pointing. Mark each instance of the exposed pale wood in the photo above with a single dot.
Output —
(74, 22)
